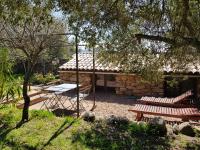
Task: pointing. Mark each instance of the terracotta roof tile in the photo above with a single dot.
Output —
(86, 64)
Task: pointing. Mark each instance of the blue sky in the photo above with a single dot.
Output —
(58, 14)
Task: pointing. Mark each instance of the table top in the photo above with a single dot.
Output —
(62, 87)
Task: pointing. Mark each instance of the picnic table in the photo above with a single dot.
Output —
(57, 97)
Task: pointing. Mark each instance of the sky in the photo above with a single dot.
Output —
(58, 14)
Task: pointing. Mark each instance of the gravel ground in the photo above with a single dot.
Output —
(108, 104)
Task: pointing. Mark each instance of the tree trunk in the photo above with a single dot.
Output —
(25, 115)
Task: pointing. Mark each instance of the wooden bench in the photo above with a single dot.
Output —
(169, 102)
(184, 113)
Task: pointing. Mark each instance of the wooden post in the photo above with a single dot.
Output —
(93, 78)
(77, 75)
(105, 83)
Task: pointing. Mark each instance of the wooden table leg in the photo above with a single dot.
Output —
(184, 119)
(139, 116)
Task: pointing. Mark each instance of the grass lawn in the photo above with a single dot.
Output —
(48, 132)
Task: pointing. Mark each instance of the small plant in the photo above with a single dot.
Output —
(139, 129)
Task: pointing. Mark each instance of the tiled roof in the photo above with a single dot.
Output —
(187, 69)
(86, 64)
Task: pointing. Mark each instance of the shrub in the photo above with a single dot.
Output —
(49, 77)
(120, 122)
(139, 129)
(156, 130)
(157, 126)
(38, 78)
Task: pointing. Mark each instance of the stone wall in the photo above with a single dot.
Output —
(133, 85)
(125, 84)
(70, 77)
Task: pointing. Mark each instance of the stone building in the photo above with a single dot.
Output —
(110, 78)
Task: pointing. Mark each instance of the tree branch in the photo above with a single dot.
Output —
(155, 38)
(185, 21)
(194, 42)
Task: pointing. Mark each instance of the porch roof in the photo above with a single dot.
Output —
(86, 64)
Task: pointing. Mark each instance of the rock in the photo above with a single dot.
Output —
(114, 120)
(88, 116)
(186, 128)
(157, 126)
(197, 130)
(170, 132)
(175, 129)
(141, 123)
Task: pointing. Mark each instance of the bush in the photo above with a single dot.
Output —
(139, 129)
(37, 79)
(157, 126)
(119, 122)
(49, 77)
(40, 79)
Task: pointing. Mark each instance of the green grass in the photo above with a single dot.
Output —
(46, 131)
(43, 131)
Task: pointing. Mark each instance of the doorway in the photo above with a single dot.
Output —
(105, 82)
(180, 86)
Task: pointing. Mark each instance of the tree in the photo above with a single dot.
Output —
(51, 56)
(27, 26)
(173, 22)
(135, 32)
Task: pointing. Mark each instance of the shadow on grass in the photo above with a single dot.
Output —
(61, 129)
(4, 131)
(63, 112)
(16, 146)
(108, 136)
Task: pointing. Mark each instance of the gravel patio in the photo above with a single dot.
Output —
(107, 104)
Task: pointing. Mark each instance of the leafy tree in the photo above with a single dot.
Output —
(135, 32)
(27, 26)
(56, 52)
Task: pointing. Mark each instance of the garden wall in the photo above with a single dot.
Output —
(133, 85)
